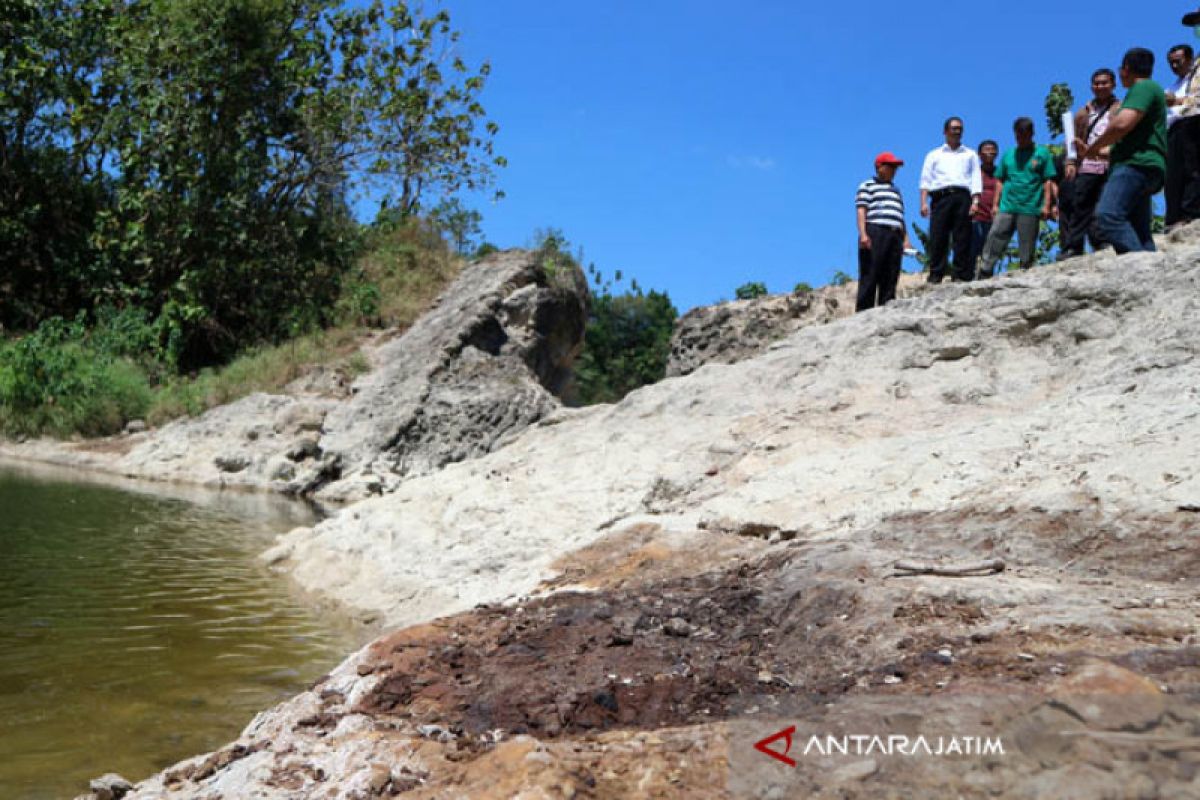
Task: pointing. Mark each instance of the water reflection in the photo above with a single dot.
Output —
(136, 628)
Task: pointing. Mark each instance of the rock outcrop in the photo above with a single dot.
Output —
(632, 596)
(484, 363)
(733, 331)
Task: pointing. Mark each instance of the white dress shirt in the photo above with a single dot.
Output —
(1179, 89)
(945, 168)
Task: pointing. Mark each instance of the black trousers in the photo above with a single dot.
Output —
(879, 266)
(1082, 224)
(1183, 171)
(1066, 208)
(950, 218)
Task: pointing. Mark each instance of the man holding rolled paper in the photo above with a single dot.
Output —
(1089, 174)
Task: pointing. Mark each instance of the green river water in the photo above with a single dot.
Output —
(137, 629)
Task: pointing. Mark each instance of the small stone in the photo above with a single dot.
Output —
(136, 426)
(892, 680)
(620, 639)
(380, 777)
(231, 463)
(110, 787)
(308, 447)
(1026, 656)
(677, 626)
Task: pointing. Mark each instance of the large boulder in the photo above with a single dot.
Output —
(485, 362)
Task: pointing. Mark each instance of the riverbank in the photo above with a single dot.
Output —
(629, 596)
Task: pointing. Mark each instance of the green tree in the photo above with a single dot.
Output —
(459, 224)
(194, 157)
(1059, 100)
(627, 342)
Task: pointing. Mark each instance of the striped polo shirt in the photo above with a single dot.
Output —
(883, 203)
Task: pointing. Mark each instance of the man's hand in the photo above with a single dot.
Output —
(1047, 213)
(864, 241)
(1083, 148)
(924, 209)
(1071, 172)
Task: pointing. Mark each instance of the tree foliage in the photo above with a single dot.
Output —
(751, 290)
(627, 342)
(196, 158)
(1058, 102)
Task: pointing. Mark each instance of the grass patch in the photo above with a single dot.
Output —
(261, 369)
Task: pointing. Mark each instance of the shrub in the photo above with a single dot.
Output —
(55, 380)
(749, 291)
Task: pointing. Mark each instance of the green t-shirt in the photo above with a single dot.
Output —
(1024, 171)
(1146, 145)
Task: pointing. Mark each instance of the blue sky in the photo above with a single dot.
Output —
(698, 145)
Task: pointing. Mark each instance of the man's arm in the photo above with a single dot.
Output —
(1081, 121)
(1126, 120)
(864, 241)
(926, 183)
(999, 194)
(976, 182)
(1050, 195)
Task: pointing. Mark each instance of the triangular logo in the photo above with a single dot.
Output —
(764, 746)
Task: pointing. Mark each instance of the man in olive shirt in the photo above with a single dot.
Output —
(1138, 135)
(1023, 193)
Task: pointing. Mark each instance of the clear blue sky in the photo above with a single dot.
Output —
(697, 145)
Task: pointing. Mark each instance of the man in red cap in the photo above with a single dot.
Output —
(882, 238)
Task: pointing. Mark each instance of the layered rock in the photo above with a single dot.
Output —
(483, 363)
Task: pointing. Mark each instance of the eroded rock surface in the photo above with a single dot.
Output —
(484, 363)
(734, 331)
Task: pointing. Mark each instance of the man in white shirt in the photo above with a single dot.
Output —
(1182, 188)
(952, 180)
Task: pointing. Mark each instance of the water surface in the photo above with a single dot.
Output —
(137, 629)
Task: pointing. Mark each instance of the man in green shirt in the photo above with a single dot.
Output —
(1023, 194)
(1138, 135)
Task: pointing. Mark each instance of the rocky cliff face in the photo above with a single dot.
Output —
(973, 514)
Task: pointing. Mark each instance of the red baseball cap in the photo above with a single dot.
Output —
(887, 157)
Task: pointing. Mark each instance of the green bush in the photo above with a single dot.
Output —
(55, 380)
(749, 291)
